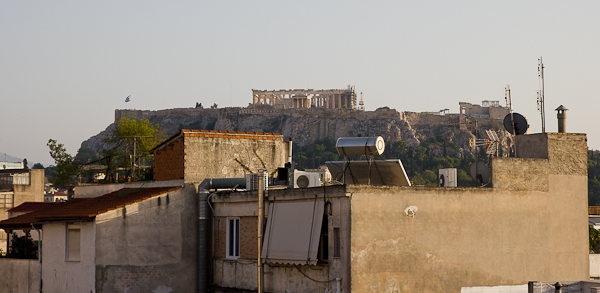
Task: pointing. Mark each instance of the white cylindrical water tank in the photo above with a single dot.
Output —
(359, 146)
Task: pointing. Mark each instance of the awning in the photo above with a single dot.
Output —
(292, 232)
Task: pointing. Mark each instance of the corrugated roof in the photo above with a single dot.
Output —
(85, 208)
(29, 206)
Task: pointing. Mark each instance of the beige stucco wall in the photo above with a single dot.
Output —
(215, 157)
(463, 237)
(19, 275)
(60, 275)
(148, 245)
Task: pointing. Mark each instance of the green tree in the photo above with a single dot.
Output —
(38, 166)
(594, 239)
(22, 247)
(66, 170)
(131, 141)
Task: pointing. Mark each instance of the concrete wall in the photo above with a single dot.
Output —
(594, 265)
(463, 237)
(148, 245)
(208, 157)
(497, 289)
(242, 273)
(19, 275)
(60, 275)
(32, 192)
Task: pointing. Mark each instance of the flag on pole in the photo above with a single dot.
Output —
(127, 99)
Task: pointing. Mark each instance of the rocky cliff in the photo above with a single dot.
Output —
(304, 126)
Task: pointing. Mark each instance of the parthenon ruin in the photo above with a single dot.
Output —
(306, 98)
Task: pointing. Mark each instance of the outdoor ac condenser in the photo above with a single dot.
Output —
(252, 181)
(447, 177)
(306, 179)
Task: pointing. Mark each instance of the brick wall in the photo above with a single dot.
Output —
(248, 237)
(169, 161)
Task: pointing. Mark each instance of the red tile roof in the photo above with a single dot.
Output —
(85, 208)
(30, 206)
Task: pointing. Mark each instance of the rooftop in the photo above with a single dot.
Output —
(85, 208)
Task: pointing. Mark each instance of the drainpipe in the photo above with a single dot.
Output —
(204, 226)
(39, 253)
(261, 203)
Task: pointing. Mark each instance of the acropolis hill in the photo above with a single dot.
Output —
(305, 125)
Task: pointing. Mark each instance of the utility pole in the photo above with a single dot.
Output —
(261, 192)
(541, 106)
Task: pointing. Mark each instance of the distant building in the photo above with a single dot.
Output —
(306, 98)
(488, 109)
(18, 185)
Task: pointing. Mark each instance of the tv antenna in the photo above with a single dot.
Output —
(540, 94)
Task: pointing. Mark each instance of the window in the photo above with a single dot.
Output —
(6, 200)
(73, 249)
(21, 179)
(233, 237)
(293, 233)
(323, 253)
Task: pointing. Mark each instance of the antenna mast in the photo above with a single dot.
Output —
(540, 94)
(508, 99)
(361, 103)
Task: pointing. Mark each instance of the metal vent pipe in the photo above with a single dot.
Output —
(562, 118)
(204, 226)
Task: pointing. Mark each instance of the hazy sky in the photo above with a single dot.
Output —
(65, 66)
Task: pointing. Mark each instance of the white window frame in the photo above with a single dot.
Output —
(69, 241)
(232, 246)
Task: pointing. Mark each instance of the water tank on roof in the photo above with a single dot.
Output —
(359, 146)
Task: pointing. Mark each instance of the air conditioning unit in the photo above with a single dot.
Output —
(252, 181)
(447, 177)
(306, 179)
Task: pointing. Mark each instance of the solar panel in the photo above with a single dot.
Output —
(378, 172)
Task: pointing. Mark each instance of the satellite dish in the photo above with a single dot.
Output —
(480, 172)
(519, 124)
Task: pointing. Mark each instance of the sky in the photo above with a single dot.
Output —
(65, 66)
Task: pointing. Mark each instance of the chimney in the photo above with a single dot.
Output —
(562, 119)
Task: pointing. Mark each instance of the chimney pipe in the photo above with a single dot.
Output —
(562, 119)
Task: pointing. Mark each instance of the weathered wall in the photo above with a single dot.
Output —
(214, 157)
(594, 265)
(19, 275)
(32, 192)
(60, 275)
(148, 245)
(241, 273)
(468, 237)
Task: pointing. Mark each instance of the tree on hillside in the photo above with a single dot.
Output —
(66, 170)
(131, 141)
(37, 166)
